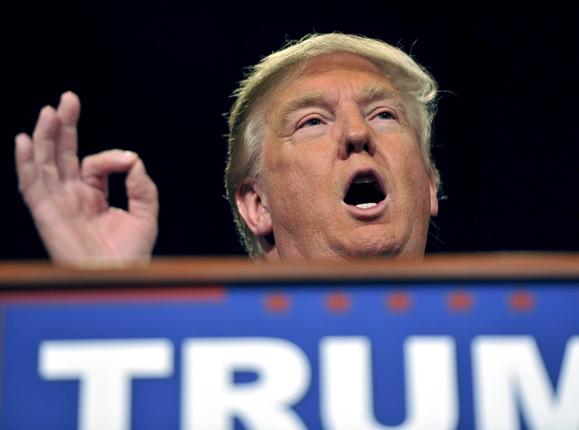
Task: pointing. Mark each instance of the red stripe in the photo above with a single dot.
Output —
(209, 294)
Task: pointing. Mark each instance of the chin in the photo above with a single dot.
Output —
(370, 245)
(383, 241)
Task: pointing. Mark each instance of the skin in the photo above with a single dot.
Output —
(340, 116)
(323, 126)
(68, 200)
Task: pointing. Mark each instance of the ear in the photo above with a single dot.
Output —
(252, 206)
(433, 197)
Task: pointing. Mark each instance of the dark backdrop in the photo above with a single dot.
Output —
(156, 79)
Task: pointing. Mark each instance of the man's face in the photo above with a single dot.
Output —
(342, 174)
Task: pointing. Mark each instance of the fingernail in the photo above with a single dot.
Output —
(20, 139)
(47, 109)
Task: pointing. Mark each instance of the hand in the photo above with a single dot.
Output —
(69, 202)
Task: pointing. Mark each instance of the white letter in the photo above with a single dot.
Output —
(211, 399)
(346, 384)
(508, 371)
(105, 368)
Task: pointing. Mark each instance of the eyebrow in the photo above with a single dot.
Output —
(327, 100)
(378, 93)
(316, 98)
(373, 94)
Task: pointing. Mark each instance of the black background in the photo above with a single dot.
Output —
(156, 78)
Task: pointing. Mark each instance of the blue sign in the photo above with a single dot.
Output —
(409, 356)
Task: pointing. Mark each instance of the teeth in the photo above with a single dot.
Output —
(366, 205)
(363, 180)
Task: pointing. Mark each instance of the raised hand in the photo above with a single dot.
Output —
(69, 201)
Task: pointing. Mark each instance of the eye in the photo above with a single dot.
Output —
(385, 114)
(310, 122)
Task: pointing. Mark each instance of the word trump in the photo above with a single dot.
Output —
(509, 382)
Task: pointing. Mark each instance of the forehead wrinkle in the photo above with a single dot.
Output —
(329, 99)
(371, 94)
(376, 93)
(325, 99)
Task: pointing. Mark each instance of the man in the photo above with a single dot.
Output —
(329, 158)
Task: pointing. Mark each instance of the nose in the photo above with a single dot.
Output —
(356, 136)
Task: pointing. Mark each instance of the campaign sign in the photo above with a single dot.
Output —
(342, 356)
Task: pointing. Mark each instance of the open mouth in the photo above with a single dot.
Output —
(365, 191)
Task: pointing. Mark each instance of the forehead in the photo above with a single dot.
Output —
(340, 61)
(327, 76)
(329, 73)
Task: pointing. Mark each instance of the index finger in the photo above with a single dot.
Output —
(67, 143)
(44, 143)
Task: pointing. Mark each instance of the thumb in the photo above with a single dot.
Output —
(141, 192)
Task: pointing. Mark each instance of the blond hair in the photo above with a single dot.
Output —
(246, 120)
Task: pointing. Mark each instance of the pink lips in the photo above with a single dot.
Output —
(367, 213)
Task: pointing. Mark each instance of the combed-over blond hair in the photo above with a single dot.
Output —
(246, 118)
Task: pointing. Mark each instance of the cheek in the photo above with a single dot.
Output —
(410, 176)
(408, 161)
(295, 181)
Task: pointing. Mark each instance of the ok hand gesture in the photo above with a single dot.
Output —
(69, 200)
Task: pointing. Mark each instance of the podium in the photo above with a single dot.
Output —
(453, 342)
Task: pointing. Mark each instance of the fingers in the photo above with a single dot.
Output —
(141, 190)
(96, 168)
(142, 193)
(68, 113)
(25, 167)
(44, 138)
(35, 159)
(54, 143)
